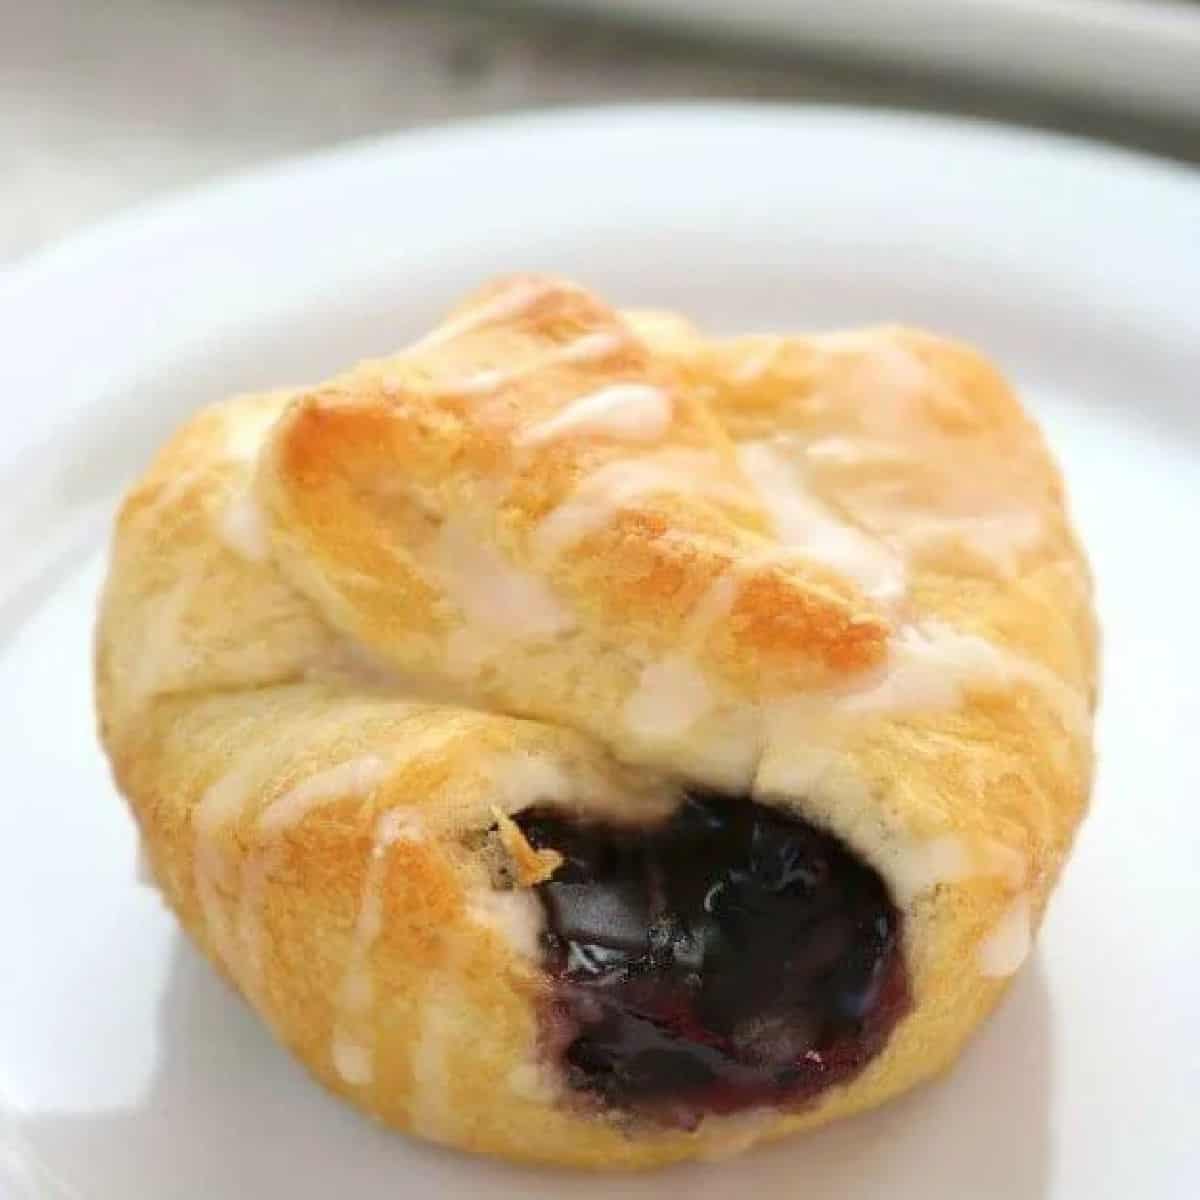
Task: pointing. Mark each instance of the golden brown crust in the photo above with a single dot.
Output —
(834, 571)
(331, 482)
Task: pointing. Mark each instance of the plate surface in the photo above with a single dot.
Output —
(128, 1071)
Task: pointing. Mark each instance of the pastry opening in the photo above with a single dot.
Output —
(730, 957)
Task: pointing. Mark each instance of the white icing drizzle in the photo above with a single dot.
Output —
(634, 412)
(219, 807)
(845, 451)
(238, 939)
(802, 740)
(481, 383)
(449, 1016)
(995, 858)
(804, 759)
(804, 522)
(355, 777)
(493, 595)
(670, 697)
(432, 1114)
(928, 665)
(995, 533)
(243, 528)
(931, 666)
(352, 1043)
(169, 493)
(532, 1081)
(512, 302)
(915, 867)
(672, 694)
(714, 606)
(351, 1060)
(247, 429)
(918, 867)
(249, 920)
(515, 914)
(1007, 946)
(601, 495)
(887, 381)
(996, 538)
(756, 363)
(520, 778)
(163, 650)
(589, 347)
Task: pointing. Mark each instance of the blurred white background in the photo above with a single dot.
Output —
(106, 102)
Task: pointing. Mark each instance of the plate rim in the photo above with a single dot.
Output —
(271, 173)
(32, 289)
(183, 205)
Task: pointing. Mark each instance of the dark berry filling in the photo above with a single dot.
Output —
(730, 957)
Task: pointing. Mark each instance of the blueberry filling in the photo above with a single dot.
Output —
(730, 957)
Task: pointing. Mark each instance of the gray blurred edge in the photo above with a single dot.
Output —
(1139, 54)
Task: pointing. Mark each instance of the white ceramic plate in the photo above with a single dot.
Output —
(129, 1073)
(1139, 53)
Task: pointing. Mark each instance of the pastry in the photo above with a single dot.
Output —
(585, 741)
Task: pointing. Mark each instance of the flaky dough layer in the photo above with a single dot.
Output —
(554, 554)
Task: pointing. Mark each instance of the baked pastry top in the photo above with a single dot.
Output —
(583, 740)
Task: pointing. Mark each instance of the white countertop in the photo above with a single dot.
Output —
(105, 104)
